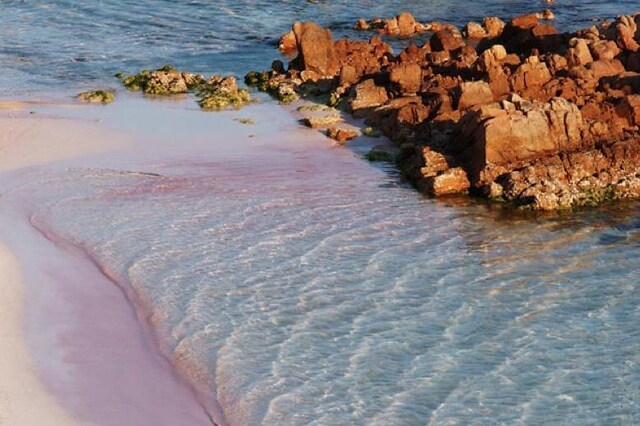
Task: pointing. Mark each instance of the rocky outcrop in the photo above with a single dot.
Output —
(403, 25)
(514, 111)
(316, 50)
(215, 93)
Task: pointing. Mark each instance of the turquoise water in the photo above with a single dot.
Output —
(295, 284)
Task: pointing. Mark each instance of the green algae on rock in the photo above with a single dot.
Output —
(377, 155)
(97, 96)
(267, 81)
(220, 93)
(163, 81)
(216, 93)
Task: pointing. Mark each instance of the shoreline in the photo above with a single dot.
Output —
(24, 399)
(73, 362)
(85, 338)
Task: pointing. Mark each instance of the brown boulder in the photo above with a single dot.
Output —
(341, 134)
(542, 30)
(316, 51)
(451, 181)
(604, 49)
(626, 31)
(287, 43)
(446, 40)
(629, 109)
(532, 73)
(517, 131)
(524, 22)
(367, 95)
(406, 24)
(578, 53)
(474, 31)
(605, 68)
(493, 26)
(406, 78)
(473, 93)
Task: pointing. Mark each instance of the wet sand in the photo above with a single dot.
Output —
(72, 350)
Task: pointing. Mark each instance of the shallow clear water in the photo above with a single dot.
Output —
(297, 284)
(53, 46)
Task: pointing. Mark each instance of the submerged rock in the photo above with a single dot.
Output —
(97, 96)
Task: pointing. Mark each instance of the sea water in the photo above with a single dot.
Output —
(296, 284)
(49, 46)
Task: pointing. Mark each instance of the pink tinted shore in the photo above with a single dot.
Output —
(85, 349)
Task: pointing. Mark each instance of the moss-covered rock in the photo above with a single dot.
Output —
(594, 197)
(163, 81)
(377, 155)
(97, 96)
(216, 93)
(277, 85)
(371, 132)
(219, 93)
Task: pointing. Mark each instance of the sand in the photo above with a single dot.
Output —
(70, 353)
(23, 400)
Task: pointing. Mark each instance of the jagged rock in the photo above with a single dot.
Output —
(366, 58)
(602, 174)
(524, 22)
(407, 78)
(367, 95)
(406, 24)
(604, 50)
(492, 57)
(341, 134)
(403, 25)
(626, 30)
(219, 93)
(578, 53)
(493, 26)
(472, 93)
(446, 40)
(434, 163)
(316, 51)
(629, 109)
(474, 31)
(532, 73)
(519, 130)
(451, 181)
(163, 81)
(287, 43)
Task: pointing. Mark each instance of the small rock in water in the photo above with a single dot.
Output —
(97, 96)
(342, 134)
(215, 93)
(163, 81)
(219, 93)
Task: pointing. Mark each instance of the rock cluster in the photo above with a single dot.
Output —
(215, 93)
(524, 113)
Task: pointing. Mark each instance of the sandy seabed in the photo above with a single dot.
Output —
(75, 348)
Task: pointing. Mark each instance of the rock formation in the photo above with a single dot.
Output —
(524, 114)
(215, 93)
